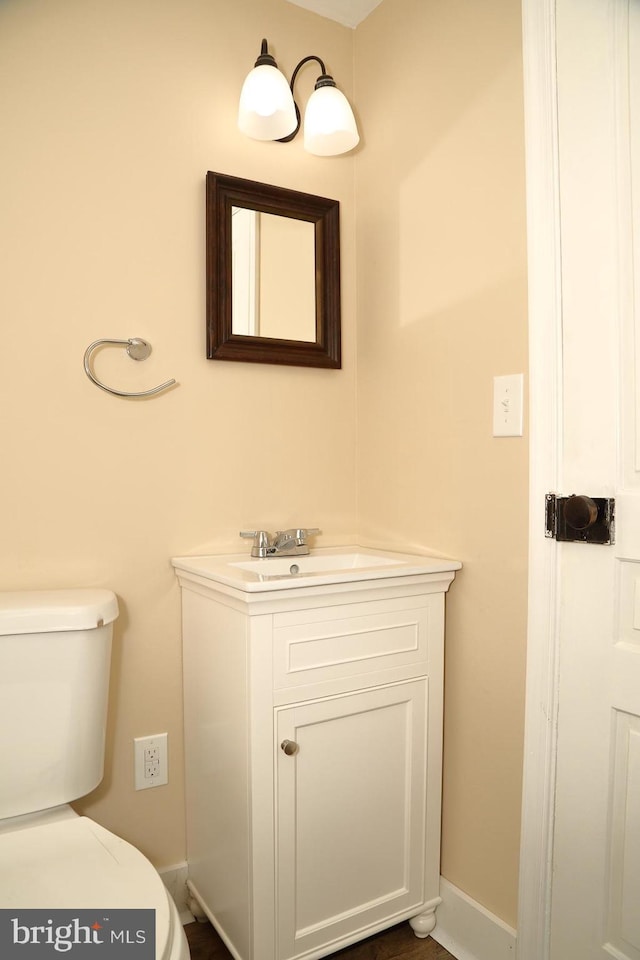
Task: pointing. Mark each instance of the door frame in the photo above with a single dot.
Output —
(545, 444)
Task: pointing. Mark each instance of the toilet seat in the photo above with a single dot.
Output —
(77, 864)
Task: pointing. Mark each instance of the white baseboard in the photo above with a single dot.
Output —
(469, 931)
(175, 880)
(463, 927)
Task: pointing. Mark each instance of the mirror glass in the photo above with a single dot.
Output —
(273, 274)
(272, 256)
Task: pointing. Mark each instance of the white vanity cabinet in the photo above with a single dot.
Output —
(313, 738)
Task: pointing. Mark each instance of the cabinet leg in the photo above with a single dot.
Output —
(423, 924)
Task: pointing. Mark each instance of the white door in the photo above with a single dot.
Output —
(351, 815)
(595, 889)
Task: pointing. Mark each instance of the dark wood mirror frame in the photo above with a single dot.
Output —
(223, 193)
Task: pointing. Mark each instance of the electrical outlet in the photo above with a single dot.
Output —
(151, 761)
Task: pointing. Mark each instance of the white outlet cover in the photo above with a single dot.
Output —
(140, 745)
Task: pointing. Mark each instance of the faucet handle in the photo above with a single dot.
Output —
(260, 539)
(299, 533)
(310, 532)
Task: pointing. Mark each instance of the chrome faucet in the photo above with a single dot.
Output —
(283, 543)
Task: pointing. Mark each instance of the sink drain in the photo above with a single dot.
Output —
(294, 568)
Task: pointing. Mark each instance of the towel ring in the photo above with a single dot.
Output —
(138, 350)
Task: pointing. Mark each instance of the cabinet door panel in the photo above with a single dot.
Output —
(351, 812)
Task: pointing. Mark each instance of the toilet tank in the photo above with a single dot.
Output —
(55, 651)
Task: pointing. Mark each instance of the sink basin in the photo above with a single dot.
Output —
(313, 563)
(322, 566)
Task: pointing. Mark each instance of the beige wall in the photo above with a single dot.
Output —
(441, 310)
(112, 113)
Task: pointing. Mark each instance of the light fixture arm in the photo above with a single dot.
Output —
(302, 63)
(265, 57)
(324, 80)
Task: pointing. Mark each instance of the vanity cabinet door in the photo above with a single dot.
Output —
(351, 801)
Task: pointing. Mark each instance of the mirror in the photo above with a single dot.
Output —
(271, 254)
(273, 274)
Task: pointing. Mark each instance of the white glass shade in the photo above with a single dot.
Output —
(266, 111)
(329, 124)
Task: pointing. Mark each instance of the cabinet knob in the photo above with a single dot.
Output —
(290, 747)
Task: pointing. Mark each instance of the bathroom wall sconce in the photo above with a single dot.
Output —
(268, 110)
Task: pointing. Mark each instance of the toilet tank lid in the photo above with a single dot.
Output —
(44, 611)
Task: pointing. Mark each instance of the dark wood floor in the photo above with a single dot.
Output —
(397, 943)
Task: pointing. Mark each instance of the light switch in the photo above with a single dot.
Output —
(507, 405)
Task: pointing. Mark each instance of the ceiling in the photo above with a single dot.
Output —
(348, 12)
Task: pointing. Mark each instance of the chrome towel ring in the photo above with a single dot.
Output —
(138, 350)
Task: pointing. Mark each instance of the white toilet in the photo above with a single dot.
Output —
(55, 649)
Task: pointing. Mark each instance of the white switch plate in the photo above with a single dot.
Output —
(508, 394)
(151, 761)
